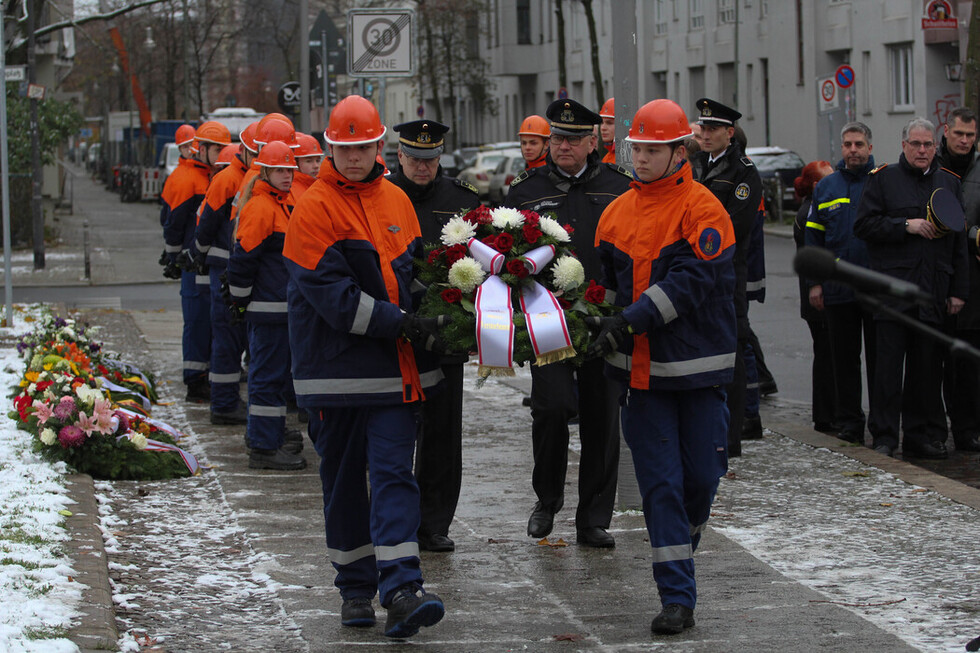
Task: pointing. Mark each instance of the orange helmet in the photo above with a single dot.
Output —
(535, 126)
(354, 121)
(276, 154)
(608, 109)
(247, 137)
(276, 116)
(308, 146)
(659, 122)
(227, 154)
(213, 132)
(184, 135)
(275, 130)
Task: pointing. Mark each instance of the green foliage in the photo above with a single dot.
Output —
(56, 122)
(106, 458)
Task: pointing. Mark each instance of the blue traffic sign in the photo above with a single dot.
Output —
(844, 76)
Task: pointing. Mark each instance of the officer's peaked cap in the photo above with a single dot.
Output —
(569, 118)
(422, 139)
(713, 112)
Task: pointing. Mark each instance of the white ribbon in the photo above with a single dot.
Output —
(155, 445)
(112, 387)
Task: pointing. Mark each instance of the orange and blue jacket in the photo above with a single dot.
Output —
(667, 249)
(182, 194)
(214, 226)
(250, 173)
(610, 155)
(349, 251)
(301, 183)
(256, 270)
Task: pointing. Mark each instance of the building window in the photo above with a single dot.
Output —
(660, 17)
(523, 22)
(697, 14)
(763, 8)
(866, 82)
(900, 60)
(726, 11)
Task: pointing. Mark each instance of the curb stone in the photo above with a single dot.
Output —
(96, 629)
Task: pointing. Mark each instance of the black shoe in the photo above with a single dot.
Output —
(198, 392)
(673, 619)
(526, 401)
(968, 443)
(885, 449)
(752, 428)
(293, 441)
(595, 537)
(855, 437)
(279, 459)
(734, 448)
(541, 522)
(412, 609)
(437, 542)
(926, 450)
(239, 416)
(767, 388)
(357, 612)
(825, 427)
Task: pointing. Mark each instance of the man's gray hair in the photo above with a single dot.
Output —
(856, 127)
(917, 123)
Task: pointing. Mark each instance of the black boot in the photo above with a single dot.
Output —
(673, 619)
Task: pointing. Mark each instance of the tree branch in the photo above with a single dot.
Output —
(53, 27)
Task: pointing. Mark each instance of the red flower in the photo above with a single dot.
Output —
(490, 240)
(479, 215)
(455, 253)
(564, 303)
(531, 218)
(102, 370)
(595, 293)
(569, 228)
(434, 256)
(531, 233)
(517, 268)
(451, 295)
(23, 404)
(504, 243)
(43, 385)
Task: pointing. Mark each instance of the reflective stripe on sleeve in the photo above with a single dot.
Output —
(267, 307)
(839, 200)
(238, 291)
(218, 252)
(677, 368)
(201, 248)
(359, 386)
(755, 285)
(362, 319)
(815, 225)
(662, 302)
(173, 249)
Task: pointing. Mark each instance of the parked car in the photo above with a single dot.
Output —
(169, 158)
(478, 174)
(778, 168)
(450, 167)
(465, 156)
(509, 167)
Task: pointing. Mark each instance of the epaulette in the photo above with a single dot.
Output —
(949, 171)
(620, 169)
(747, 162)
(521, 177)
(467, 185)
(881, 167)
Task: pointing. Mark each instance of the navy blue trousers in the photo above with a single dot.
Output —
(195, 304)
(268, 376)
(227, 346)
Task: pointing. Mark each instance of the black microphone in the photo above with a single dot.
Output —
(819, 265)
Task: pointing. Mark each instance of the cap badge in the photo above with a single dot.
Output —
(567, 115)
(706, 111)
(424, 138)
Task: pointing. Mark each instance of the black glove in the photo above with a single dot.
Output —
(163, 258)
(237, 309)
(185, 261)
(424, 331)
(613, 331)
(170, 269)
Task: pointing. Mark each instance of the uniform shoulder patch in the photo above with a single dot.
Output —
(709, 243)
(742, 191)
(467, 185)
(521, 177)
(747, 162)
(621, 170)
(881, 167)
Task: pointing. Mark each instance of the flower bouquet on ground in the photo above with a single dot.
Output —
(64, 400)
(514, 288)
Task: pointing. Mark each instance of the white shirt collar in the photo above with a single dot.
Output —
(712, 159)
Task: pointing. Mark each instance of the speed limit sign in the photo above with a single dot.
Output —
(380, 42)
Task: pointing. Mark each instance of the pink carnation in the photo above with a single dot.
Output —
(71, 436)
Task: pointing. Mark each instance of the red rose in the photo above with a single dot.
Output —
(564, 303)
(479, 215)
(595, 293)
(517, 268)
(531, 218)
(504, 243)
(451, 295)
(455, 253)
(435, 254)
(490, 240)
(43, 385)
(569, 229)
(531, 233)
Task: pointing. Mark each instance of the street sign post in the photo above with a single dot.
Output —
(827, 94)
(380, 42)
(844, 76)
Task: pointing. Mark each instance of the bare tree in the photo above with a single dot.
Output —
(971, 90)
(562, 72)
(594, 51)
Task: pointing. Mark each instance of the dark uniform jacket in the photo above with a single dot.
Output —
(214, 225)
(437, 201)
(735, 181)
(969, 317)
(577, 202)
(900, 192)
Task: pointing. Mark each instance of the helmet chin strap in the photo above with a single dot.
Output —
(667, 171)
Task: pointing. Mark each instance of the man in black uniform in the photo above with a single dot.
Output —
(722, 166)
(439, 453)
(574, 187)
(891, 219)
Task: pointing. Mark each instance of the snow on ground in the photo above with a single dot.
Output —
(903, 557)
(38, 598)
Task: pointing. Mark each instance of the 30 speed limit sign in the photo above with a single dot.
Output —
(380, 42)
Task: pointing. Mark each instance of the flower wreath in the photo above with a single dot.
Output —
(491, 262)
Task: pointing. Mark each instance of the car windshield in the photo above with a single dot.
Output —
(490, 160)
(780, 161)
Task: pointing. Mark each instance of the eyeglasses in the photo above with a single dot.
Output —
(921, 145)
(556, 139)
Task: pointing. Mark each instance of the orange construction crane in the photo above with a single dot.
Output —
(145, 116)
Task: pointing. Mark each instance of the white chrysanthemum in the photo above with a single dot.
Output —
(552, 228)
(506, 218)
(48, 437)
(466, 274)
(568, 273)
(138, 440)
(67, 334)
(87, 394)
(457, 232)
